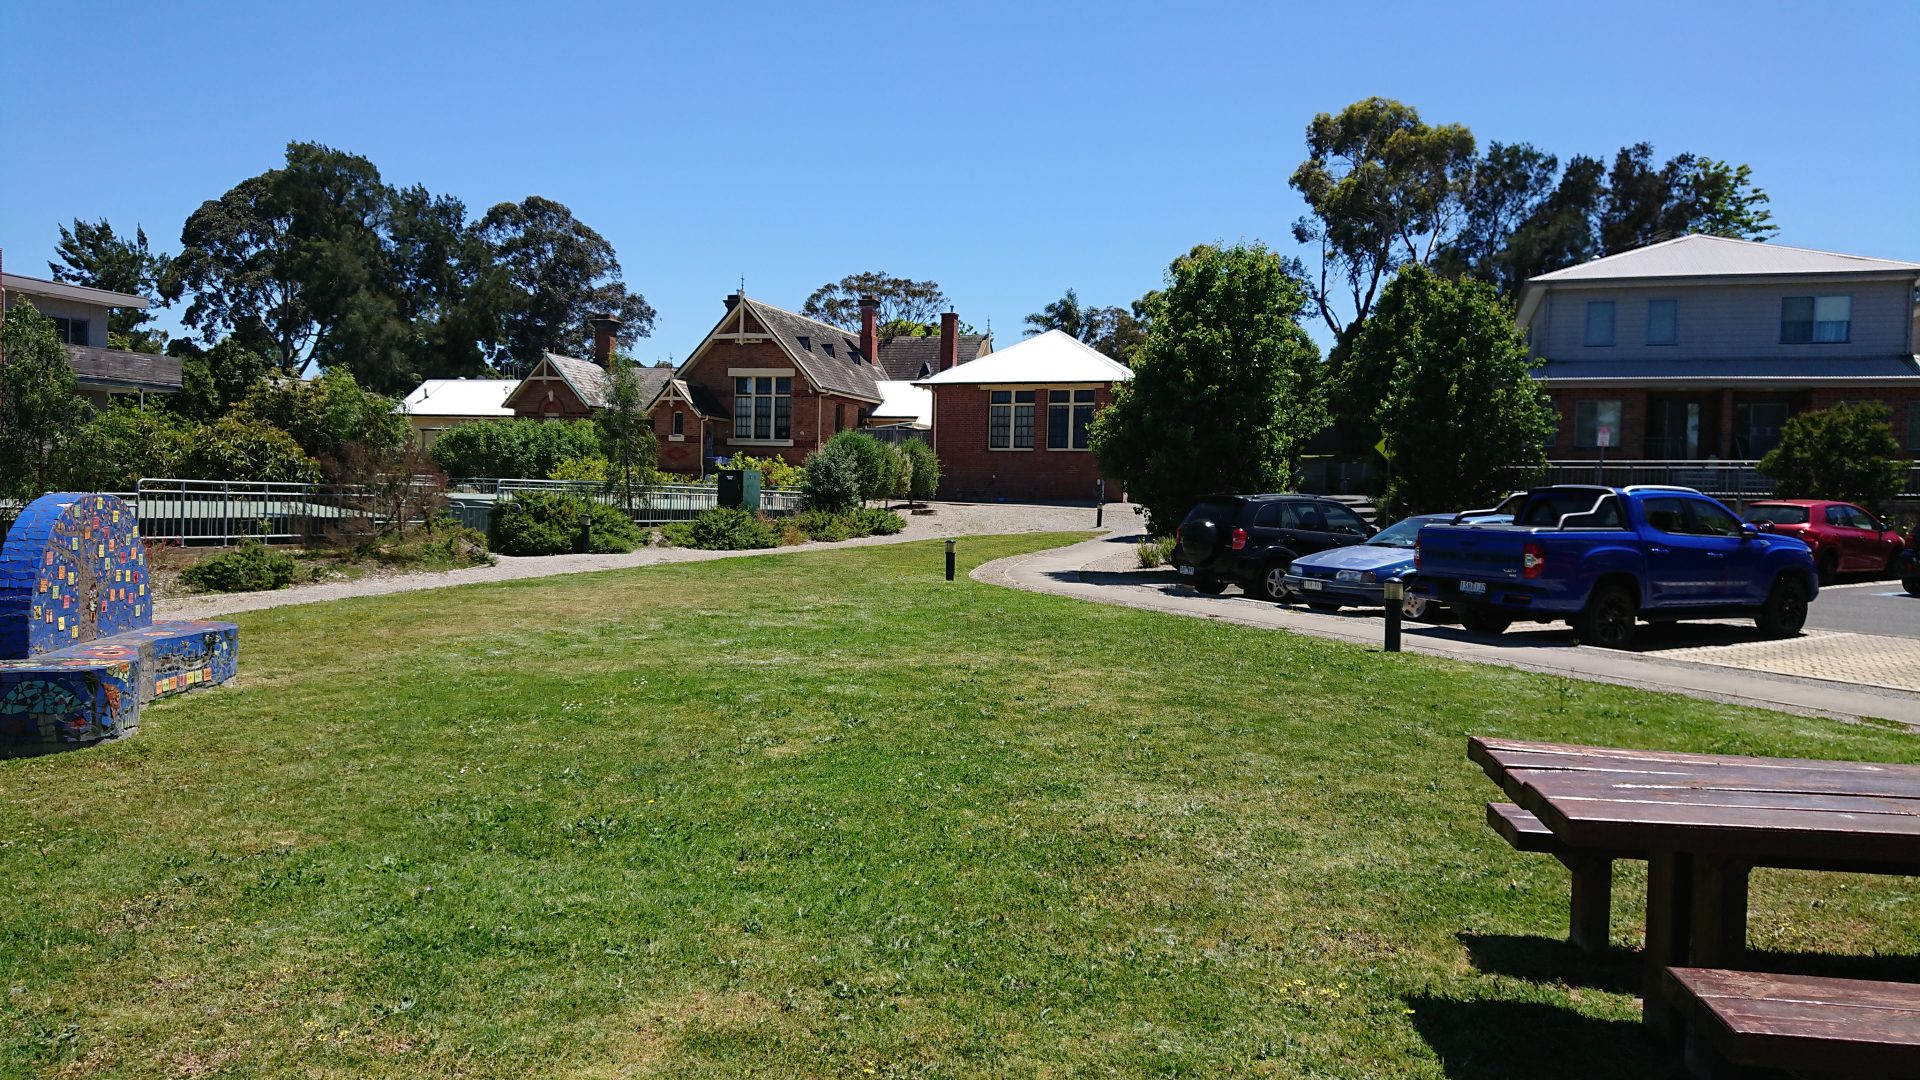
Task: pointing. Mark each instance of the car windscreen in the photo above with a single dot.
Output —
(1546, 508)
(1401, 534)
(1778, 515)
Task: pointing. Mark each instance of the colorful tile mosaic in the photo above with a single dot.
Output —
(79, 650)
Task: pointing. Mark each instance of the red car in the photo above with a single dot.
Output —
(1845, 539)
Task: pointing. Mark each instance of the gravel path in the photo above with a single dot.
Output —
(948, 519)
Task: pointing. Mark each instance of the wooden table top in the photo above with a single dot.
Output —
(1777, 811)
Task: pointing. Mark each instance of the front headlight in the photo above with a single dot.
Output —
(1368, 577)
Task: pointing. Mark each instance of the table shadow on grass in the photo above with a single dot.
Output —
(1553, 961)
(1490, 1039)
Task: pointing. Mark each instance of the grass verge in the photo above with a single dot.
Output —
(824, 813)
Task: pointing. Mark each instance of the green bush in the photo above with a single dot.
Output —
(327, 414)
(874, 521)
(514, 448)
(1155, 551)
(251, 567)
(875, 460)
(1847, 452)
(820, 525)
(832, 481)
(774, 472)
(581, 468)
(548, 523)
(723, 528)
(235, 447)
(926, 470)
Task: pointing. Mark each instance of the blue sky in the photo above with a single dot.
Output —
(1008, 151)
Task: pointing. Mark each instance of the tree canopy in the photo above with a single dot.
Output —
(1227, 387)
(41, 412)
(559, 272)
(901, 300)
(1847, 452)
(1451, 389)
(91, 254)
(1114, 331)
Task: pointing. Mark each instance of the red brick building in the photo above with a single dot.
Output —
(771, 383)
(1014, 424)
(568, 388)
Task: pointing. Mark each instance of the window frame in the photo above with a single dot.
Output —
(1613, 323)
(1813, 322)
(1673, 324)
(1005, 413)
(679, 432)
(1590, 438)
(1070, 419)
(762, 395)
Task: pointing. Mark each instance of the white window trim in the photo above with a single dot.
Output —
(1070, 406)
(1036, 404)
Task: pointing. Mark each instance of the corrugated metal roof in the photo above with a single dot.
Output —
(84, 294)
(1719, 256)
(1816, 370)
(904, 402)
(1053, 357)
(460, 397)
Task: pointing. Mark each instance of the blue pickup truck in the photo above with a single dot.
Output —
(1605, 558)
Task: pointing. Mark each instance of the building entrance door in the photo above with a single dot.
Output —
(1677, 429)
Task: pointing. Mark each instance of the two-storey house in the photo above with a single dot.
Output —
(1702, 347)
(80, 314)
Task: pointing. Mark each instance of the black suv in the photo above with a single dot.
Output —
(1250, 540)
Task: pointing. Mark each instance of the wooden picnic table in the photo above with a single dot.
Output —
(1704, 821)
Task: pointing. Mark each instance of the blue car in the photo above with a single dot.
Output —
(1353, 576)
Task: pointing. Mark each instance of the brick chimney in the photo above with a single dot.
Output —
(870, 329)
(733, 300)
(605, 329)
(949, 340)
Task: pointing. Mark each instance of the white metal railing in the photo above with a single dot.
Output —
(226, 511)
(1734, 480)
(653, 504)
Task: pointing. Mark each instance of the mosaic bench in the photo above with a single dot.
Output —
(79, 650)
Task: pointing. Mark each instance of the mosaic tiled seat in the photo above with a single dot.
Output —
(79, 650)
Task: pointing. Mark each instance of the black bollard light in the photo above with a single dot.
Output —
(1099, 503)
(1393, 592)
(586, 534)
(950, 544)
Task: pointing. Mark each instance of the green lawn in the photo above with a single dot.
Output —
(826, 814)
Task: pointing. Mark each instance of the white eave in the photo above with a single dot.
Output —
(60, 290)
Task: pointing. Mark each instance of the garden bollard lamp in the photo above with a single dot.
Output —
(950, 544)
(1393, 592)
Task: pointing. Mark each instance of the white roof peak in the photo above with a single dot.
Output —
(1700, 255)
(1052, 357)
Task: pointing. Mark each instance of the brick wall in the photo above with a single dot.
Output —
(1630, 442)
(813, 411)
(968, 470)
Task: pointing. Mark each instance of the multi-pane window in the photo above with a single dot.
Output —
(1591, 417)
(1816, 320)
(71, 331)
(763, 407)
(1010, 420)
(1663, 322)
(1069, 419)
(1599, 323)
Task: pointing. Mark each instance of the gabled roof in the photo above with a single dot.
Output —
(908, 358)
(589, 380)
(1696, 256)
(904, 403)
(460, 397)
(82, 294)
(828, 355)
(118, 368)
(1053, 358)
(695, 394)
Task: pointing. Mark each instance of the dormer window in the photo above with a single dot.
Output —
(806, 342)
(826, 348)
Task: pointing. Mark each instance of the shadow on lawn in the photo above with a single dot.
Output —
(1549, 960)
(1523, 1040)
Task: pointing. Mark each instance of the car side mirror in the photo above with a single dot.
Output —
(1748, 531)
(1766, 525)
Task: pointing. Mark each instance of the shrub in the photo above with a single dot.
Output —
(236, 447)
(774, 472)
(580, 468)
(514, 448)
(1847, 452)
(791, 533)
(1155, 552)
(123, 444)
(327, 414)
(825, 527)
(444, 544)
(926, 470)
(724, 528)
(873, 521)
(251, 567)
(548, 523)
(832, 481)
(874, 459)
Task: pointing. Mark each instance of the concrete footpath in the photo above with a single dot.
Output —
(1098, 570)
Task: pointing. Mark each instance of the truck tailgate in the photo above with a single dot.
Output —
(1472, 552)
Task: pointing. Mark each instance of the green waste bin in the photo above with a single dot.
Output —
(740, 488)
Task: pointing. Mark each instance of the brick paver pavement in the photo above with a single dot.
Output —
(1861, 659)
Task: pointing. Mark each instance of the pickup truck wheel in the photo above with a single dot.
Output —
(1209, 586)
(1912, 585)
(1829, 568)
(1481, 621)
(1608, 619)
(1274, 583)
(1785, 611)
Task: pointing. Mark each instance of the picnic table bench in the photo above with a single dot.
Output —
(1702, 822)
(1799, 1023)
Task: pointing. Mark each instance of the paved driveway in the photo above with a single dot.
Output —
(1839, 673)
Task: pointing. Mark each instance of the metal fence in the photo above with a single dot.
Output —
(228, 511)
(654, 504)
(1731, 481)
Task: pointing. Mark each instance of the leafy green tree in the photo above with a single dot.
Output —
(41, 411)
(627, 430)
(1114, 331)
(1688, 194)
(1226, 390)
(237, 447)
(1382, 187)
(327, 415)
(558, 273)
(1453, 390)
(529, 449)
(1504, 189)
(926, 470)
(91, 254)
(874, 458)
(122, 445)
(1848, 452)
(214, 380)
(833, 483)
(902, 300)
(453, 294)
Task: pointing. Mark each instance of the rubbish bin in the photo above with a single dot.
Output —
(740, 488)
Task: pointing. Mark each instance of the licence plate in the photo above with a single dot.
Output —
(1473, 588)
(1312, 585)
(1186, 570)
